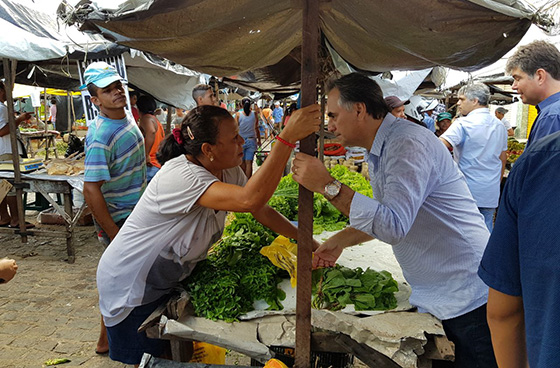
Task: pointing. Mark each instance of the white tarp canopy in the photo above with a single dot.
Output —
(41, 43)
(19, 44)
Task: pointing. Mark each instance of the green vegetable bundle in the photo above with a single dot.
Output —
(325, 216)
(334, 288)
(235, 274)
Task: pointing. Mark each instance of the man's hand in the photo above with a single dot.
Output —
(326, 255)
(310, 172)
(23, 117)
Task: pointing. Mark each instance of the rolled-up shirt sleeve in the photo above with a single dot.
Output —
(406, 175)
(454, 135)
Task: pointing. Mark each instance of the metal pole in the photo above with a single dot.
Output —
(9, 74)
(309, 77)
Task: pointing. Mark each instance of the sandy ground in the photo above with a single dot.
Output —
(49, 310)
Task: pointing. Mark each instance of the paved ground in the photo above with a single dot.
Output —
(49, 310)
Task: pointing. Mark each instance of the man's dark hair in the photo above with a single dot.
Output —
(357, 87)
(534, 56)
(53, 101)
(199, 90)
(2, 87)
(92, 89)
(146, 104)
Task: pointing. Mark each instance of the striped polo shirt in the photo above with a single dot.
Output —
(115, 154)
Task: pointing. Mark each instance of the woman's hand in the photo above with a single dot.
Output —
(302, 123)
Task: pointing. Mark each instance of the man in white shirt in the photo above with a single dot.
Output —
(10, 219)
(479, 143)
(501, 115)
(421, 206)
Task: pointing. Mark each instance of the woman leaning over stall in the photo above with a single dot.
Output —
(181, 214)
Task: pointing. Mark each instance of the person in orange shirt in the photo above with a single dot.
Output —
(153, 133)
(266, 116)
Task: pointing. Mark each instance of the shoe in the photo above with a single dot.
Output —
(28, 225)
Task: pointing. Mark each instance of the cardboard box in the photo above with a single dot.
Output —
(51, 217)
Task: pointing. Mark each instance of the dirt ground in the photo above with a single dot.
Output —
(49, 310)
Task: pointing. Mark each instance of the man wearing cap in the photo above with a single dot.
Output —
(203, 94)
(535, 69)
(428, 116)
(9, 219)
(277, 115)
(501, 115)
(479, 143)
(115, 162)
(396, 106)
(443, 122)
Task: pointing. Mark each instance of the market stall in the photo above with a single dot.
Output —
(46, 184)
(277, 36)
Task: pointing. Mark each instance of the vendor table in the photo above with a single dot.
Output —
(47, 138)
(398, 338)
(40, 182)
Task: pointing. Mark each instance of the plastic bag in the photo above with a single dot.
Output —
(282, 253)
(207, 353)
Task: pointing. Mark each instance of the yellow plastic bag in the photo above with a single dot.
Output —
(282, 253)
(275, 363)
(207, 353)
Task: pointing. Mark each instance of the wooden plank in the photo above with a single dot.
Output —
(10, 75)
(181, 350)
(309, 77)
(440, 348)
(369, 356)
(69, 230)
(324, 342)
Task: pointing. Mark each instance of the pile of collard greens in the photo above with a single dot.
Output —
(334, 288)
(235, 274)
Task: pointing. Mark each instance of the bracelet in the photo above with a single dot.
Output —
(283, 141)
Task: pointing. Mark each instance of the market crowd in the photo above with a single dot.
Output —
(483, 261)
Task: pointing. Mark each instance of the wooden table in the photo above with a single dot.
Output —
(46, 184)
(47, 138)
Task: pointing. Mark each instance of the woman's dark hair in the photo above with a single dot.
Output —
(291, 108)
(246, 106)
(146, 104)
(200, 125)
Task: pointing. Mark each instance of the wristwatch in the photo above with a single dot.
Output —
(332, 189)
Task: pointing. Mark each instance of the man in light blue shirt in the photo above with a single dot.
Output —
(421, 206)
(479, 142)
(277, 115)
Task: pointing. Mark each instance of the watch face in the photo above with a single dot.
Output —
(332, 190)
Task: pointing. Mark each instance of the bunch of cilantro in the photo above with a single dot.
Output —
(226, 284)
(325, 216)
(334, 288)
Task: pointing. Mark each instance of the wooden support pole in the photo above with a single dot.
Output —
(309, 77)
(322, 131)
(169, 118)
(10, 75)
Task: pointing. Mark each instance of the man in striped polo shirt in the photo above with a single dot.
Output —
(115, 165)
